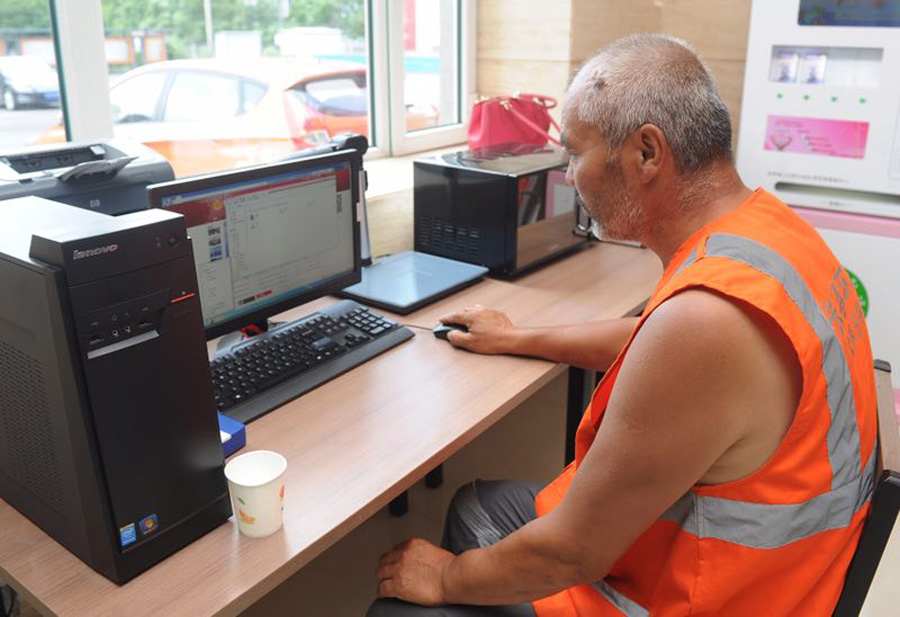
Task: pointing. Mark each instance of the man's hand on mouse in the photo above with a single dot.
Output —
(490, 331)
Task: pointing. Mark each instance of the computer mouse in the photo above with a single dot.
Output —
(442, 330)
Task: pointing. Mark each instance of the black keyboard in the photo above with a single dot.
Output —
(266, 371)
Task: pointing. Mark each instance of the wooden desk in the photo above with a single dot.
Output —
(352, 445)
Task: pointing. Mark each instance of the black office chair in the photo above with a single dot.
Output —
(885, 503)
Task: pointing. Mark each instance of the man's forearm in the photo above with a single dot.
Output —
(593, 345)
(530, 563)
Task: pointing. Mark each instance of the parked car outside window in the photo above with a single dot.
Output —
(206, 115)
(27, 81)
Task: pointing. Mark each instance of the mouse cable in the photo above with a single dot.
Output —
(409, 325)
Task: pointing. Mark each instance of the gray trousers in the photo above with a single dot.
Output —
(480, 514)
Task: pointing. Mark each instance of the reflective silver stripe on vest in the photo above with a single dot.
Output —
(843, 433)
(626, 605)
(690, 259)
(767, 526)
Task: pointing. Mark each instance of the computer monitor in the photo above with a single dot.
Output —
(270, 237)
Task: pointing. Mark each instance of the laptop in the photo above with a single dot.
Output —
(404, 282)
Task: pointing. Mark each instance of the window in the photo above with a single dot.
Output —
(136, 99)
(430, 66)
(29, 88)
(255, 80)
(200, 97)
(426, 48)
(331, 104)
(251, 94)
(343, 95)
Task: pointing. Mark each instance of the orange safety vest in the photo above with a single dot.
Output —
(777, 542)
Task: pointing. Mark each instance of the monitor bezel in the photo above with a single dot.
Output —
(156, 193)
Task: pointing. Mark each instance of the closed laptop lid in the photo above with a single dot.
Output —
(405, 281)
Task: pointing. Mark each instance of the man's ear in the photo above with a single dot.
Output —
(652, 150)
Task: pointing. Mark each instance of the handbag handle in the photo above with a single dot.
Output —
(547, 102)
(525, 120)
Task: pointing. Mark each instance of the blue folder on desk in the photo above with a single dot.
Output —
(404, 282)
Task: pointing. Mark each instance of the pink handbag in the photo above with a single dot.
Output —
(523, 118)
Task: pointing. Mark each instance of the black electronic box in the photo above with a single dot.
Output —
(110, 177)
(109, 438)
(506, 207)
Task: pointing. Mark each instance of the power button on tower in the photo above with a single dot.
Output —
(174, 240)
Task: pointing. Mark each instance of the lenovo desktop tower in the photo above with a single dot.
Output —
(108, 433)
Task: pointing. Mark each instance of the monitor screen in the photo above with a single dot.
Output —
(268, 238)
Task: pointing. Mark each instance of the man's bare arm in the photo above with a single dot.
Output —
(695, 373)
(592, 345)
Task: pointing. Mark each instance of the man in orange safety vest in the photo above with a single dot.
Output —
(726, 461)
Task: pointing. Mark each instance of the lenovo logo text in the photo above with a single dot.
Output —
(109, 248)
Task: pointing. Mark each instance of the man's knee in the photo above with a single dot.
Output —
(484, 512)
(389, 607)
(377, 609)
(459, 535)
(462, 501)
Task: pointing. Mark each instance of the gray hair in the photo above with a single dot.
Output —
(653, 79)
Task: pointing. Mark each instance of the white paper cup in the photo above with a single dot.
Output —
(256, 485)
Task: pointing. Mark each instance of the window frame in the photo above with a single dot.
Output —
(403, 142)
(78, 30)
(81, 63)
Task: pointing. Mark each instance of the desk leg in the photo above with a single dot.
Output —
(581, 386)
(435, 477)
(399, 505)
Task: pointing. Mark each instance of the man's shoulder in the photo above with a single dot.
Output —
(721, 362)
(695, 315)
(709, 337)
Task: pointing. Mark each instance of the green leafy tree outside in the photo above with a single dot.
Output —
(25, 14)
(183, 20)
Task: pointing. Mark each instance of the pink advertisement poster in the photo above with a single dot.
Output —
(842, 138)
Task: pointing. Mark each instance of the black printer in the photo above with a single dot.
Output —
(110, 177)
(109, 439)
